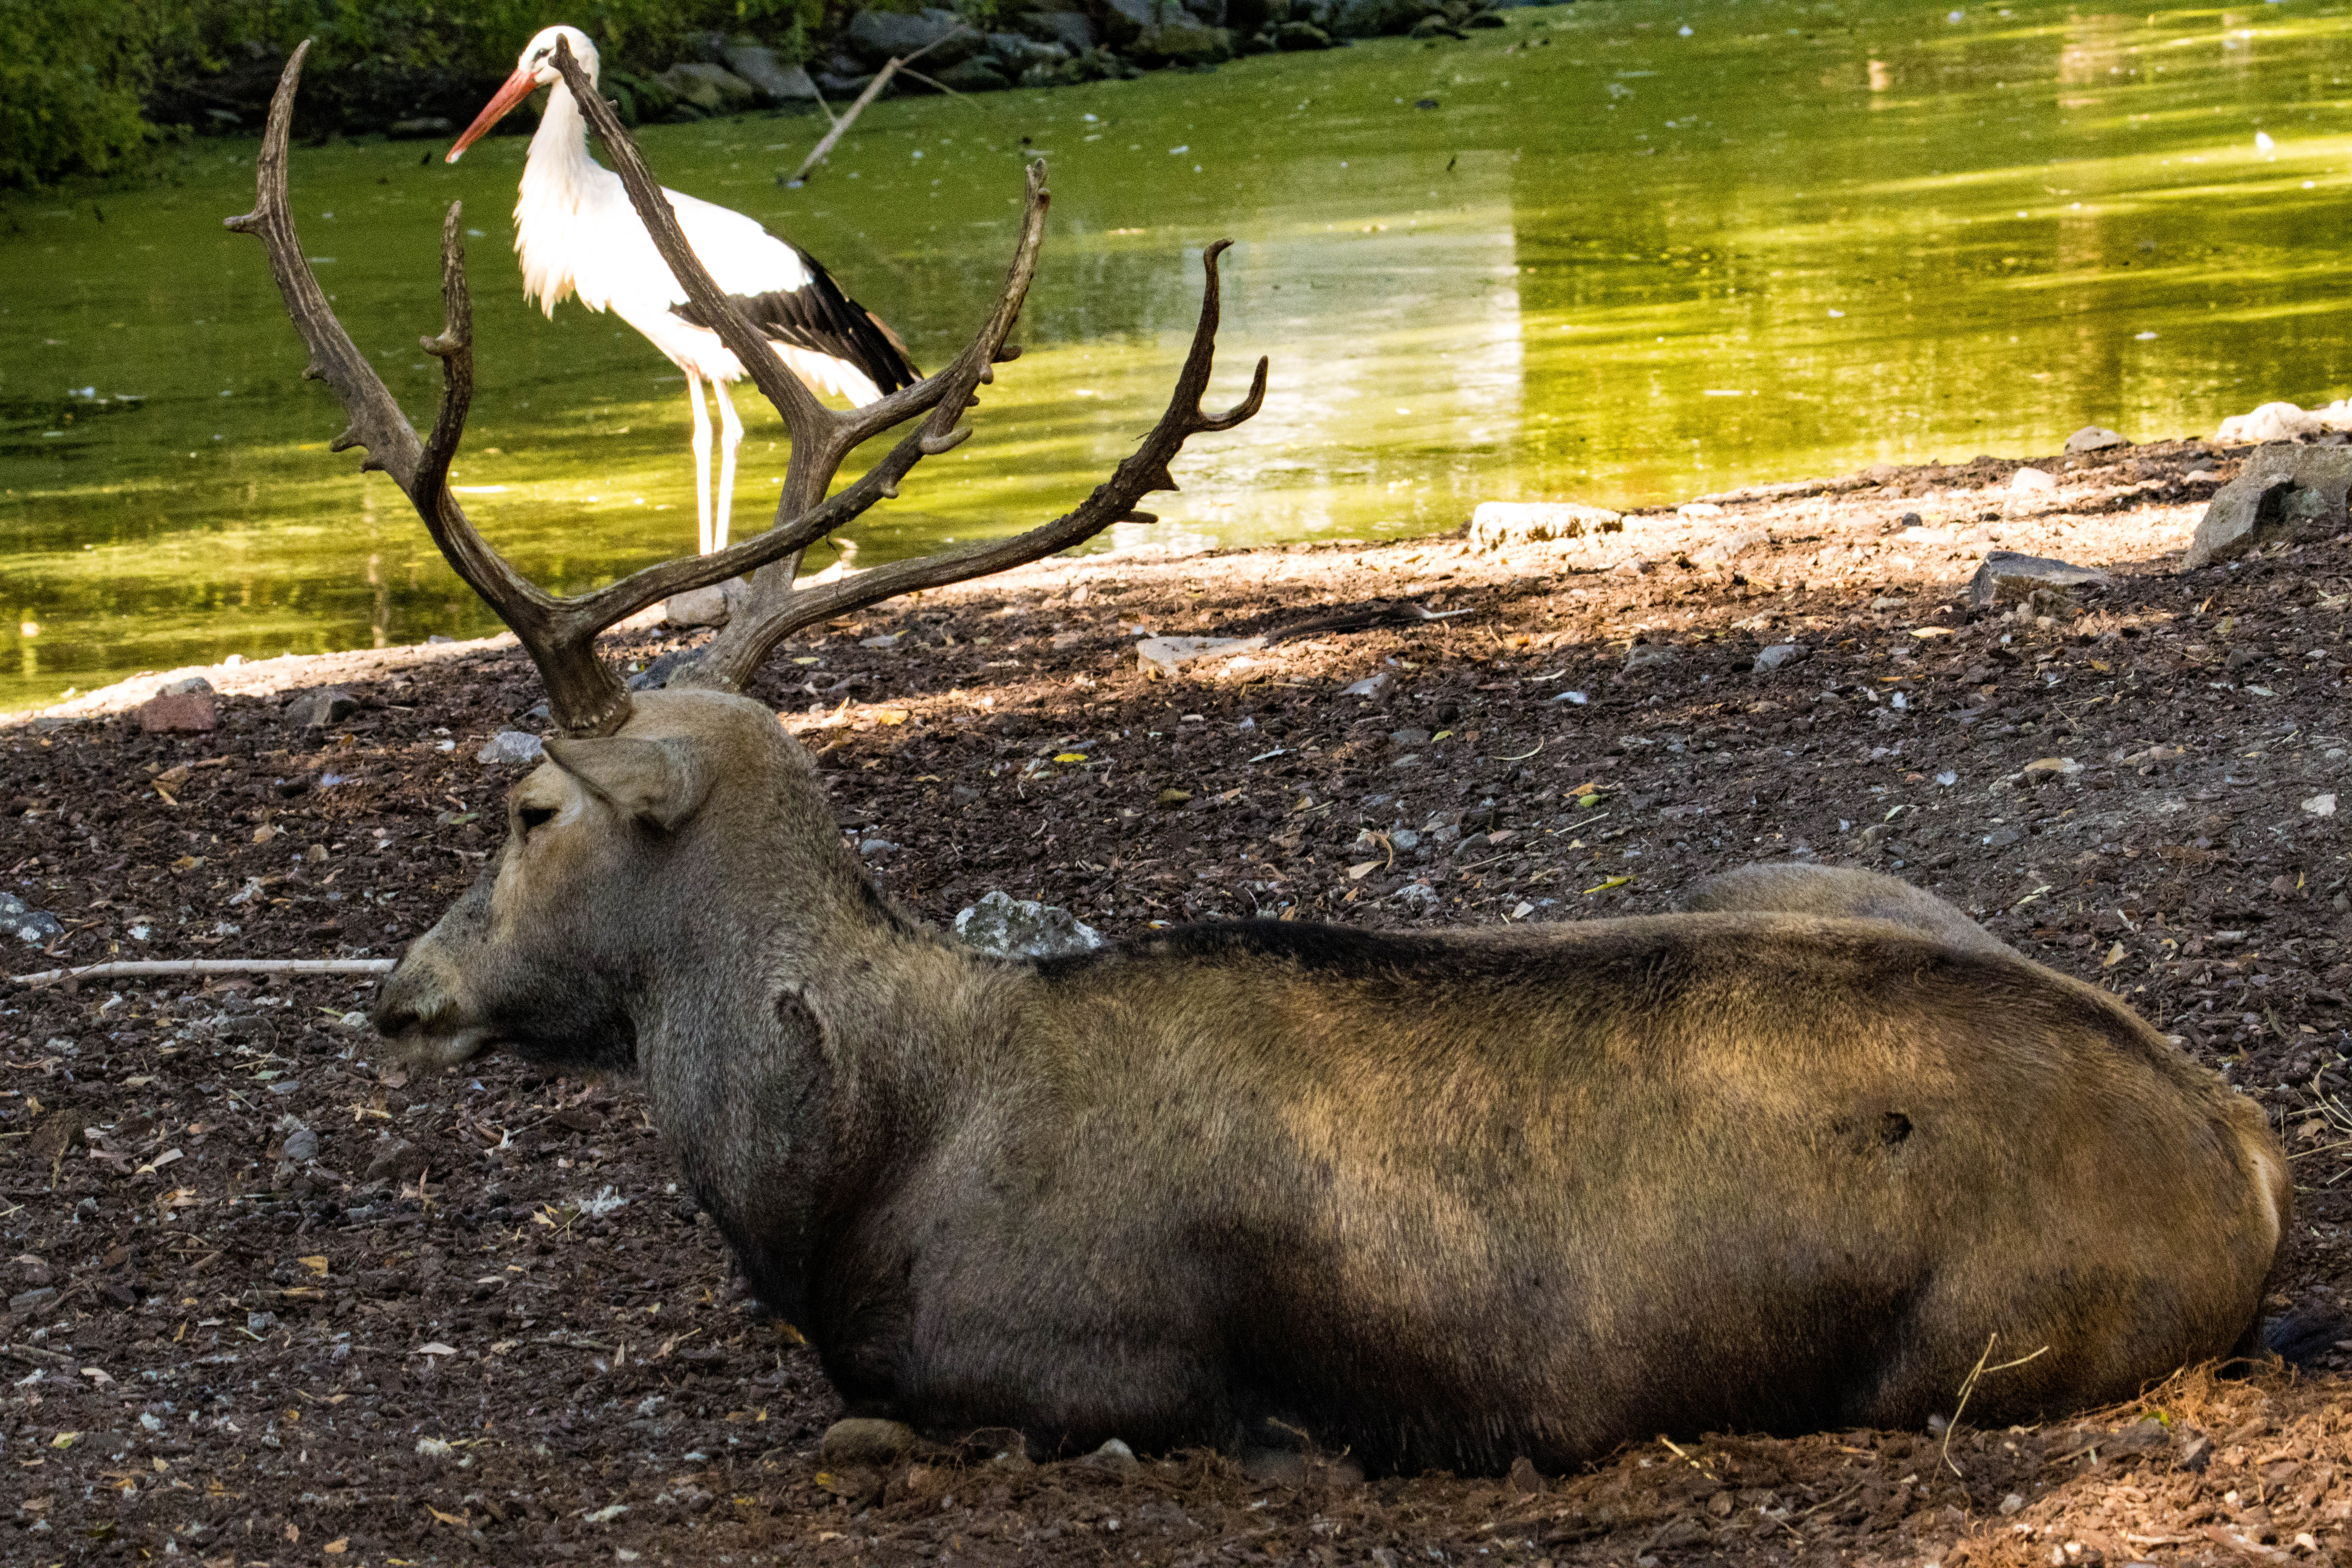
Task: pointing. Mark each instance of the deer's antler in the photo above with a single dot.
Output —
(584, 695)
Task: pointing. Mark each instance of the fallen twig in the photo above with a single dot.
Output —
(1968, 1386)
(210, 967)
(840, 128)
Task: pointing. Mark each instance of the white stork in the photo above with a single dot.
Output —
(576, 234)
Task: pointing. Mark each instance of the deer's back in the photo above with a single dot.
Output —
(1453, 1197)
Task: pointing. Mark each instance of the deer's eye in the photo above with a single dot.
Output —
(532, 816)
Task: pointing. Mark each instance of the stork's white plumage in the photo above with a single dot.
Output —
(577, 235)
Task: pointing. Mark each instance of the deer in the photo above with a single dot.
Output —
(1798, 1156)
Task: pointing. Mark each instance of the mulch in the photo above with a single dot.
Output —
(272, 1299)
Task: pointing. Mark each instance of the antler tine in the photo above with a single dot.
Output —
(1146, 469)
(377, 423)
(583, 694)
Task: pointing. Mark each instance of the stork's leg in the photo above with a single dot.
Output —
(702, 459)
(731, 435)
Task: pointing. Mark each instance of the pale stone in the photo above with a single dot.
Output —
(2006, 576)
(2296, 494)
(1500, 524)
(1023, 928)
(1162, 657)
(2091, 438)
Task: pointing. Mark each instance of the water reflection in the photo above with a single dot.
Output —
(1614, 263)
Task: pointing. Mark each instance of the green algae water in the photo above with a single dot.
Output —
(1614, 252)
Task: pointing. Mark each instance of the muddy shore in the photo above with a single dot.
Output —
(272, 1299)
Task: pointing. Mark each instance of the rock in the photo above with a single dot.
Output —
(1023, 928)
(712, 606)
(2091, 438)
(759, 66)
(1698, 509)
(1434, 25)
(1294, 37)
(1127, 21)
(319, 707)
(1780, 656)
(1644, 656)
(1017, 53)
(185, 685)
(1405, 740)
(2321, 804)
(873, 846)
(714, 89)
(1371, 686)
(2027, 481)
(1499, 524)
(301, 1145)
(186, 713)
(2271, 422)
(975, 75)
(877, 35)
(1377, 18)
(2282, 492)
(1419, 897)
(1162, 657)
(1071, 29)
(28, 924)
(862, 1440)
(2008, 575)
(1186, 43)
(1114, 1455)
(509, 747)
(32, 1300)
(1730, 547)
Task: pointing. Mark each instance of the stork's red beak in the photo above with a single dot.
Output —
(518, 87)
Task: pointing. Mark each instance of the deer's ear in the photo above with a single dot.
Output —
(659, 782)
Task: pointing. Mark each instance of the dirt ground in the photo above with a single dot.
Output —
(271, 1298)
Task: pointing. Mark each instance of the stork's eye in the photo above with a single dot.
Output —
(532, 816)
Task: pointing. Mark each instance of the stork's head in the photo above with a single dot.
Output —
(534, 68)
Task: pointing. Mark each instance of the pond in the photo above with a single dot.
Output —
(1613, 252)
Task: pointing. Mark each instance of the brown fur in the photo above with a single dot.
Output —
(1437, 1200)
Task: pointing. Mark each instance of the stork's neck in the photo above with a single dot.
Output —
(559, 181)
(559, 150)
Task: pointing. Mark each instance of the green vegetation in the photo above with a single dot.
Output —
(84, 86)
(70, 81)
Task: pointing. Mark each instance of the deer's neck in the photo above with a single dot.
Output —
(794, 1051)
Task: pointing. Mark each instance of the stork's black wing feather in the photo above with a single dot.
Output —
(819, 317)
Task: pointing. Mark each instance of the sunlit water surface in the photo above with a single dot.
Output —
(1634, 253)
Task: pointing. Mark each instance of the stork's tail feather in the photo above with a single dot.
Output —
(819, 318)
